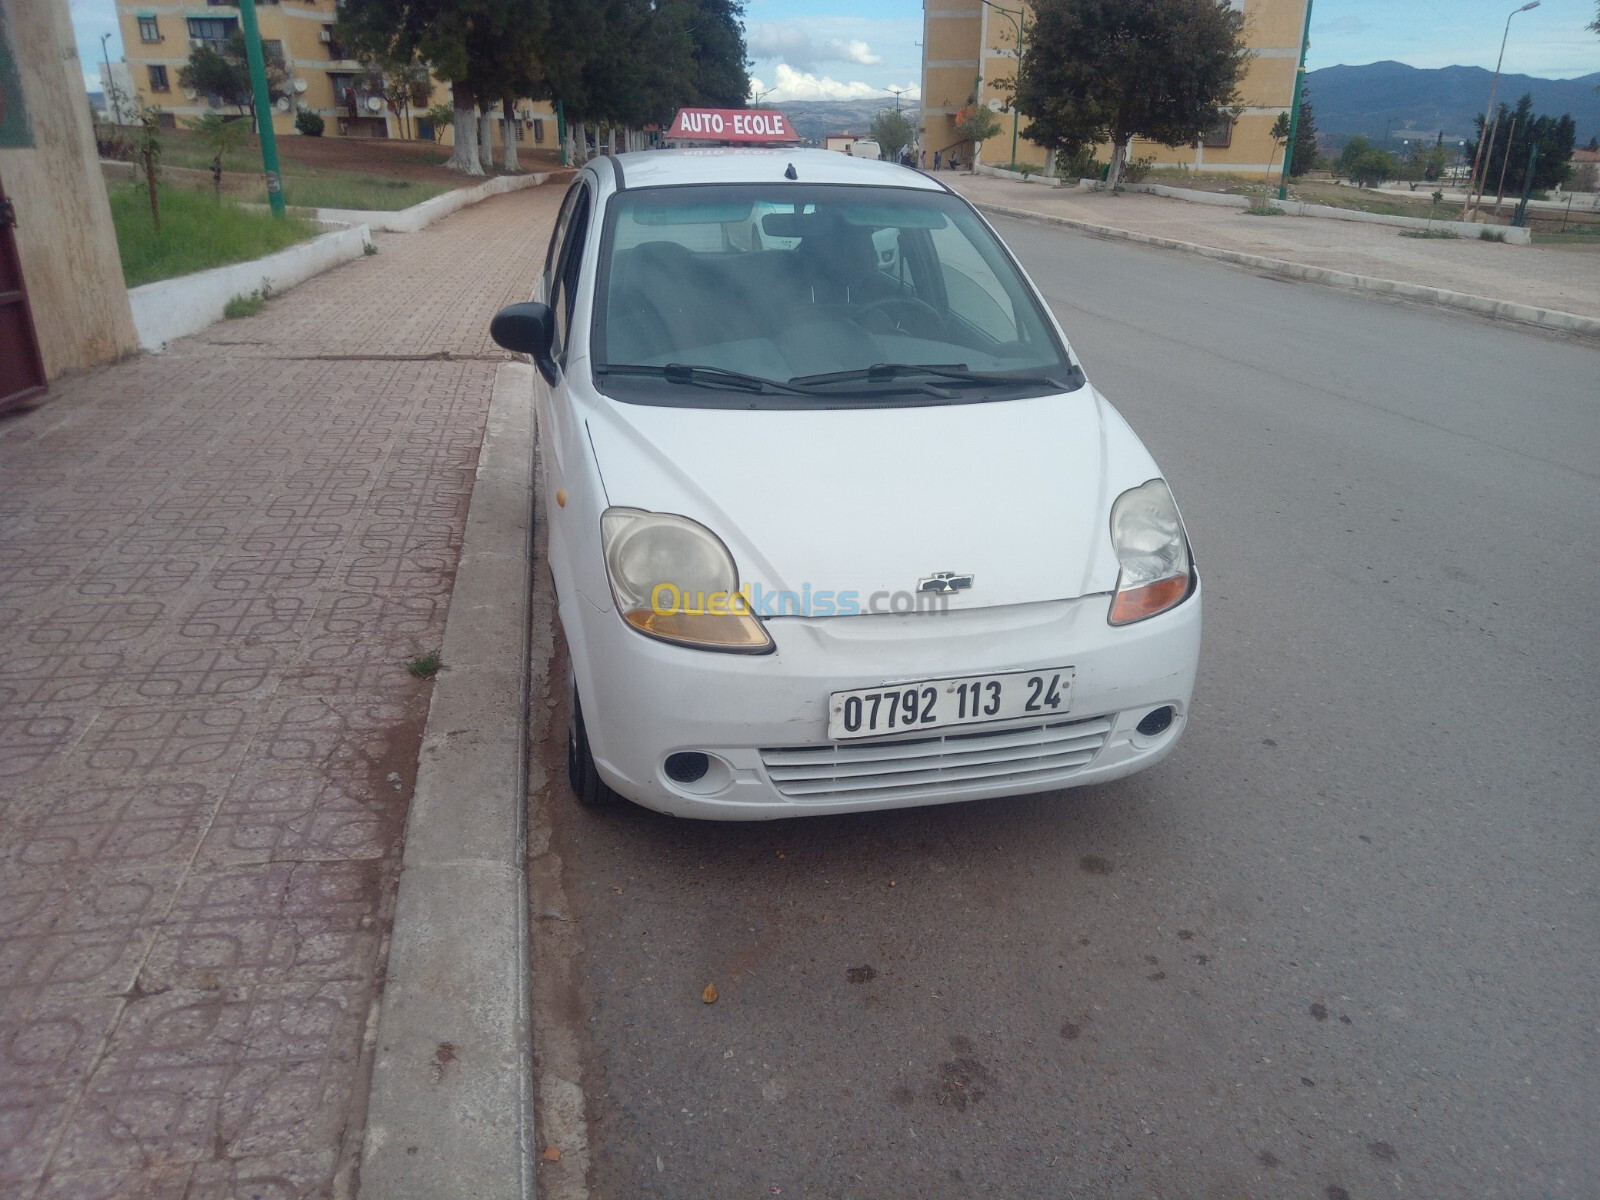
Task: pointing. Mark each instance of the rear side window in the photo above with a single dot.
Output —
(569, 260)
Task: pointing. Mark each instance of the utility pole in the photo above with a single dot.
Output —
(258, 84)
(1294, 106)
(1490, 112)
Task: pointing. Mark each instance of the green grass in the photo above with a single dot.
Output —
(197, 232)
(1446, 234)
(348, 190)
(246, 306)
(425, 666)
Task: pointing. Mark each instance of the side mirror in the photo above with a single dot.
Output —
(526, 329)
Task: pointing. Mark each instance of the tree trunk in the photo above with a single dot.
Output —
(464, 152)
(508, 135)
(486, 135)
(1119, 152)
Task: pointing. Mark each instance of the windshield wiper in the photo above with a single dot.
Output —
(885, 372)
(714, 377)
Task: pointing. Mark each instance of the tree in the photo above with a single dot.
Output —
(975, 123)
(1098, 70)
(1304, 155)
(1372, 167)
(1353, 149)
(219, 136)
(1279, 133)
(1519, 129)
(893, 132)
(225, 74)
(717, 34)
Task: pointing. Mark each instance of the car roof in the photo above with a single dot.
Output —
(671, 168)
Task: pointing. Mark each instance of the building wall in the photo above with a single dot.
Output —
(65, 238)
(304, 31)
(964, 39)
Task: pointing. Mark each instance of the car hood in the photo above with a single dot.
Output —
(1017, 493)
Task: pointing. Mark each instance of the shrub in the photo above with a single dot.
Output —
(1082, 165)
(309, 123)
(1491, 235)
(1137, 170)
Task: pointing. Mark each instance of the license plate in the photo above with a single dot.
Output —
(942, 703)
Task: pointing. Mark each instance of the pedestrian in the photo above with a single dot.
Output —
(955, 163)
(937, 154)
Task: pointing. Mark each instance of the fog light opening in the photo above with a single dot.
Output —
(687, 766)
(1157, 721)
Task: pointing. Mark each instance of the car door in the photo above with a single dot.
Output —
(568, 464)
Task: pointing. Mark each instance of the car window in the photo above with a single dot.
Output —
(560, 231)
(787, 283)
(564, 284)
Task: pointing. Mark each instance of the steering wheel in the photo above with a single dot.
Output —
(902, 314)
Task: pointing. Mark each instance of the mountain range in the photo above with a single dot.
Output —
(1446, 100)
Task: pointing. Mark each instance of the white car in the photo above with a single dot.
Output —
(836, 522)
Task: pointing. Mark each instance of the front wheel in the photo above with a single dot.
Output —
(587, 786)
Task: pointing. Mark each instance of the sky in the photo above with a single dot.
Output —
(853, 49)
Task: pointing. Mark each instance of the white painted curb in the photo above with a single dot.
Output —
(174, 308)
(1505, 310)
(450, 1112)
(420, 216)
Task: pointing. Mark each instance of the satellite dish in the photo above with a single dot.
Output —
(997, 105)
(283, 104)
(299, 85)
(191, 93)
(374, 103)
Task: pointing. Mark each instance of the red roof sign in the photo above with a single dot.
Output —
(751, 125)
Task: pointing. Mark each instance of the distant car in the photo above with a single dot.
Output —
(864, 148)
(835, 520)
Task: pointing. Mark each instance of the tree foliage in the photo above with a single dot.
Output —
(225, 74)
(1519, 129)
(893, 132)
(1305, 155)
(1107, 70)
(1364, 164)
(219, 136)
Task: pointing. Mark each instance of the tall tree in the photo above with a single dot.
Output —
(1519, 129)
(1098, 70)
(893, 132)
(1304, 155)
(720, 76)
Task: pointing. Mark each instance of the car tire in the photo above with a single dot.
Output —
(582, 774)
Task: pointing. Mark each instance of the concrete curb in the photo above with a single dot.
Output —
(420, 216)
(1504, 310)
(174, 308)
(451, 1110)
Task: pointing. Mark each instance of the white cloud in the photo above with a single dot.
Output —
(803, 85)
(802, 49)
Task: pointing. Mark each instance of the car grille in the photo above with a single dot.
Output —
(864, 770)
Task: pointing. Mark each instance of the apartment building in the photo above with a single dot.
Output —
(972, 44)
(158, 37)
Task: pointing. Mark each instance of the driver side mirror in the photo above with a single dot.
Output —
(527, 328)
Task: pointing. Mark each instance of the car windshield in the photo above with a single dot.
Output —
(756, 295)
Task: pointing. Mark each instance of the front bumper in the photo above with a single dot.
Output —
(763, 720)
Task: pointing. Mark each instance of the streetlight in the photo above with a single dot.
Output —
(1490, 111)
(113, 92)
(1012, 15)
(897, 93)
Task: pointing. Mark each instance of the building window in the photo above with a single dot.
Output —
(1219, 136)
(272, 49)
(158, 80)
(335, 50)
(213, 30)
(538, 129)
(149, 29)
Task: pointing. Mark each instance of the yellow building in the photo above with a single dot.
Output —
(968, 41)
(158, 37)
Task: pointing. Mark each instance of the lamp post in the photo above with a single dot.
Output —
(258, 83)
(1294, 106)
(1013, 15)
(1490, 111)
(113, 92)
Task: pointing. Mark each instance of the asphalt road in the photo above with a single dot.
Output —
(1342, 944)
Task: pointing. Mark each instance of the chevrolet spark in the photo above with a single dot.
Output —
(835, 520)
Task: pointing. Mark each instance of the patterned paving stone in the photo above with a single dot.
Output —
(215, 564)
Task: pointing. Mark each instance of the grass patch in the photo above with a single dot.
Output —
(1264, 210)
(425, 666)
(345, 189)
(1491, 235)
(246, 306)
(197, 232)
(1446, 234)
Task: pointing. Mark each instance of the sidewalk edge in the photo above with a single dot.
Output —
(450, 1111)
(1505, 310)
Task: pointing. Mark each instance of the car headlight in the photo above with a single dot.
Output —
(673, 579)
(1153, 550)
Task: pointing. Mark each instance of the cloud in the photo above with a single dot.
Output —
(803, 85)
(1344, 25)
(803, 50)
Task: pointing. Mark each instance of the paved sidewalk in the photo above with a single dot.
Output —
(1564, 279)
(215, 564)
